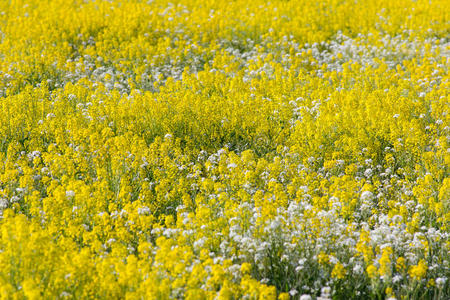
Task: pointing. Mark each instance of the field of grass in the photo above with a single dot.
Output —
(213, 149)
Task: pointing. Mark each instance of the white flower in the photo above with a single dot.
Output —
(397, 219)
(440, 282)
(198, 244)
(3, 203)
(143, 211)
(366, 195)
(70, 194)
(368, 173)
(304, 297)
(326, 291)
(304, 188)
(34, 154)
(358, 269)
(64, 294)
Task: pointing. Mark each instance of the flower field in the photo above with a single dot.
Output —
(224, 149)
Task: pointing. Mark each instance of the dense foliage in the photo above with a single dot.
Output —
(224, 149)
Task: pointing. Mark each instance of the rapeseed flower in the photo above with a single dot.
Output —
(200, 150)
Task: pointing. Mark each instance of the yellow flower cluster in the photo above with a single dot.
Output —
(222, 150)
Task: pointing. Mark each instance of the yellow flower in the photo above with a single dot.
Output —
(246, 268)
(418, 271)
(151, 150)
(401, 264)
(388, 291)
(371, 271)
(385, 262)
(323, 258)
(283, 296)
(339, 271)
